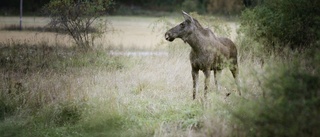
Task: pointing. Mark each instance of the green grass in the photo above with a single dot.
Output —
(66, 92)
(62, 91)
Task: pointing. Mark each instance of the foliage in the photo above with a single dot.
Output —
(77, 18)
(293, 23)
(43, 88)
(144, 7)
(190, 5)
(224, 6)
(21, 60)
(27, 58)
(9, 7)
(158, 4)
(291, 103)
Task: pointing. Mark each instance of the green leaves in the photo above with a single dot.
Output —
(286, 23)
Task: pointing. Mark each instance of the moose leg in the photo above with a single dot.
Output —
(195, 78)
(235, 73)
(206, 81)
(234, 70)
(217, 74)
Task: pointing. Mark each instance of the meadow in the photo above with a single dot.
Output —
(49, 88)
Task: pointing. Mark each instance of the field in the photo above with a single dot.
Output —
(49, 89)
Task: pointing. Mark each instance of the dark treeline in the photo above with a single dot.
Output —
(11, 7)
(152, 4)
(33, 7)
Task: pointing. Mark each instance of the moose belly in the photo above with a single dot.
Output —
(203, 63)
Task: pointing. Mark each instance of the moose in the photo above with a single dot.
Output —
(208, 52)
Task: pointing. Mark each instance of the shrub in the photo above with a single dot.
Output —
(293, 23)
(291, 104)
(77, 18)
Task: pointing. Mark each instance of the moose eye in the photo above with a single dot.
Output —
(182, 25)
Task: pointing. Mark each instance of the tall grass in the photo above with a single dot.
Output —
(282, 91)
(59, 91)
(62, 91)
(47, 86)
(289, 106)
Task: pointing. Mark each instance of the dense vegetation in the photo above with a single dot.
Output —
(143, 7)
(291, 23)
(285, 34)
(62, 90)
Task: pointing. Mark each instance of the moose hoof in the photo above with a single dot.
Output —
(228, 94)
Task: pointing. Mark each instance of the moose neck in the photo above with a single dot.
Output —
(196, 41)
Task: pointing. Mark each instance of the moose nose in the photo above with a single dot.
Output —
(167, 36)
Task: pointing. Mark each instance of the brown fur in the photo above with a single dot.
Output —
(208, 52)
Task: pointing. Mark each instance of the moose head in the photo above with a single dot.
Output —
(183, 30)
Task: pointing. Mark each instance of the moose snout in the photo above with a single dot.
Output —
(168, 36)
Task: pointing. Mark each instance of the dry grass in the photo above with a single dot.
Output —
(132, 96)
(136, 33)
(130, 33)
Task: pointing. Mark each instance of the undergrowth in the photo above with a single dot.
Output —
(24, 58)
(63, 91)
(44, 89)
(15, 27)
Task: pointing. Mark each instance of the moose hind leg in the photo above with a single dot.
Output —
(206, 81)
(235, 73)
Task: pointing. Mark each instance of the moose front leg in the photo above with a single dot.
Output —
(206, 81)
(217, 74)
(195, 78)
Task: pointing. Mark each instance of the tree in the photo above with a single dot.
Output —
(21, 5)
(224, 6)
(77, 18)
(293, 23)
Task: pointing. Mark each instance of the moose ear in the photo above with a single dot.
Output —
(187, 16)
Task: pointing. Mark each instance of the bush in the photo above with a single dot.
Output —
(291, 103)
(293, 23)
(77, 18)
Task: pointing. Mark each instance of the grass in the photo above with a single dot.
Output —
(52, 89)
(137, 31)
(64, 92)
(41, 29)
(59, 91)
